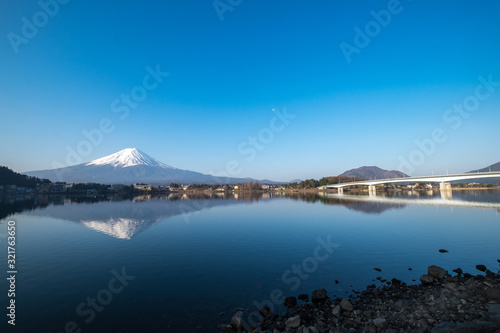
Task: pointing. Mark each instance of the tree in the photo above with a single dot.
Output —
(10, 177)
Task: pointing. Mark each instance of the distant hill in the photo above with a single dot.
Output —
(494, 181)
(10, 177)
(373, 172)
(493, 167)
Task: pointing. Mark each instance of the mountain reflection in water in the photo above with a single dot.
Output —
(123, 218)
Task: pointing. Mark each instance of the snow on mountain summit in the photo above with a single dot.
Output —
(128, 157)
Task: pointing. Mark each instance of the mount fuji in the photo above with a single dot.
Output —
(130, 166)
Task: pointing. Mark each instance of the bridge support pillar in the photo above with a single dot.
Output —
(372, 190)
(341, 190)
(445, 189)
(444, 186)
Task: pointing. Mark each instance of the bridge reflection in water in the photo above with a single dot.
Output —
(445, 200)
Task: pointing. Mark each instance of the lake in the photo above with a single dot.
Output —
(174, 264)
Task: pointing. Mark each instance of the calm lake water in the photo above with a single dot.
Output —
(173, 264)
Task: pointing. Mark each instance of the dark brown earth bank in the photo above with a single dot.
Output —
(440, 303)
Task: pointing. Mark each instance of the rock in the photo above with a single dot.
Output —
(336, 310)
(225, 328)
(346, 305)
(237, 320)
(313, 329)
(380, 322)
(396, 282)
(481, 268)
(319, 295)
(410, 269)
(377, 269)
(458, 271)
(490, 273)
(265, 311)
(494, 312)
(450, 286)
(293, 322)
(443, 250)
(436, 271)
(290, 302)
(401, 303)
(493, 293)
(494, 309)
(304, 297)
(426, 279)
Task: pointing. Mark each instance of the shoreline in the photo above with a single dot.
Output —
(440, 303)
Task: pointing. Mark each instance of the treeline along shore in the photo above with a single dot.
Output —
(15, 183)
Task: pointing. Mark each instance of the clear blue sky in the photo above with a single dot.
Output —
(226, 76)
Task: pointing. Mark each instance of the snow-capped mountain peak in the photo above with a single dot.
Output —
(129, 166)
(128, 157)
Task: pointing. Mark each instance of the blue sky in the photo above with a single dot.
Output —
(225, 77)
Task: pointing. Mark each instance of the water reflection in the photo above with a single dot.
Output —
(125, 217)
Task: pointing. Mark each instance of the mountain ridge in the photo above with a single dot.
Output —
(130, 165)
(494, 181)
(493, 167)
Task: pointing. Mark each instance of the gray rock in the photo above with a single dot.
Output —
(436, 271)
(380, 322)
(293, 322)
(226, 328)
(237, 320)
(336, 311)
(493, 293)
(426, 279)
(319, 295)
(313, 329)
(494, 309)
(346, 305)
(450, 286)
(401, 303)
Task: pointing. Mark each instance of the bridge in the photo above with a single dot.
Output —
(443, 180)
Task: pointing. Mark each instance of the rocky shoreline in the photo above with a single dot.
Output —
(440, 303)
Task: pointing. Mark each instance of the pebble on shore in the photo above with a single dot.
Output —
(441, 303)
